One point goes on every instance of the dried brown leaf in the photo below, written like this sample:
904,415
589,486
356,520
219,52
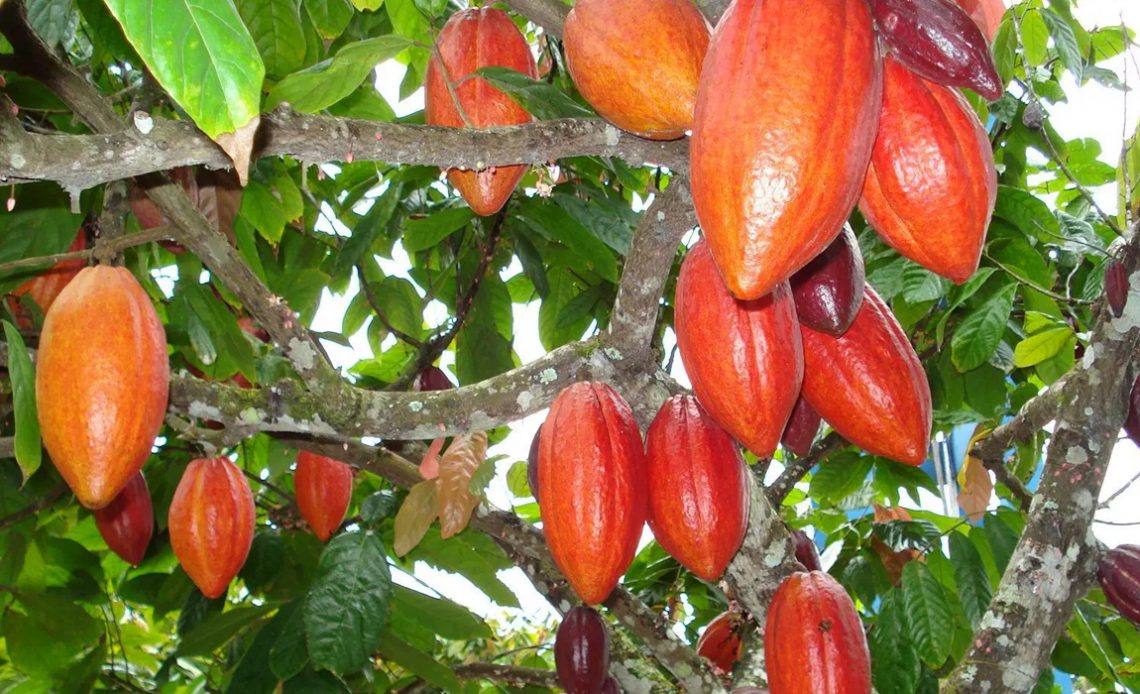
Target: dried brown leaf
459,463
219,197
415,517
239,146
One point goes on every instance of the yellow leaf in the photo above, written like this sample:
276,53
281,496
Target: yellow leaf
974,483
459,463
415,517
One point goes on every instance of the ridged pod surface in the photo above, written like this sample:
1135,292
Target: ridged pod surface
611,686
813,641
786,116
44,288
932,185
698,487
582,651
592,487
1132,420
1116,286
532,464
324,488
806,551
829,290
432,378
743,358
127,523
987,14
474,39
211,523
720,642
101,382
638,61
869,384
1119,576
802,426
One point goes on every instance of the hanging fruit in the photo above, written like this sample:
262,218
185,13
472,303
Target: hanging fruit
324,488
582,651
211,523
44,288
1119,576
637,62
593,487
806,551
698,487
801,428
127,523
532,464
720,643
829,290
987,14
1132,420
101,382
473,39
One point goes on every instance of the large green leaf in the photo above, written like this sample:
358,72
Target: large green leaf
346,608
424,233
928,613
368,228
53,20
839,476
275,26
423,664
39,224
49,635
331,17
1066,42
553,223
970,577
324,84
979,333
555,327
27,443
446,618
218,630
542,100
1041,346
895,666
482,347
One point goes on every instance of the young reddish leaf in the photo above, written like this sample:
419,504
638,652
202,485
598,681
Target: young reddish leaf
459,463
429,466
415,517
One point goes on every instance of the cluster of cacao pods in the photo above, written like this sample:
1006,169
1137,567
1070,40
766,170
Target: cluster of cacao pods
582,653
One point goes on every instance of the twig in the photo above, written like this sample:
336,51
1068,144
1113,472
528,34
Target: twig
115,245
374,302
35,507
798,467
1118,492
512,675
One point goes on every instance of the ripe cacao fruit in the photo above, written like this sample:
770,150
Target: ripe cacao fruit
698,487
806,551
638,61
937,40
211,523
987,14
1119,576
43,289
101,382
869,384
813,641
1116,286
473,39
582,651
592,486
829,290
744,358
127,523
720,643
776,168
324,488
432,378
932,185
532,464
611,686
801,428
1132,421
749,690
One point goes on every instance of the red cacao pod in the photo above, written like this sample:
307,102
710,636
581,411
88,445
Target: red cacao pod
720,643
744,358
806,551
749,690
829,290
937,40
987,14
101,382
611,686
211,523
1119,576
592,487
813,641
869,384
776,169
324,488
433,378
698,487
43,289
801,428
638,61
1116,286
932,185
1132,421
582,651
127,523
473,39
532,464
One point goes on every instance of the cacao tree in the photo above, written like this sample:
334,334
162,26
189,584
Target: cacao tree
321,303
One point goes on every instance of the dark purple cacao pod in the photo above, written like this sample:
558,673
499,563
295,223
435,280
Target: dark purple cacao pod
582,651
1119,575
806,552
433,378
532,464
828,291
801,428
1132,421
611,686
939,41
1116,286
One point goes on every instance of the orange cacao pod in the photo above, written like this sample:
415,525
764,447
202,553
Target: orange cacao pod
698,487
43,289
638,61
1119,574
592,487
743,358
324,488
720,643
474,39
869,384
127,523
211,523
101,382
814,641
782,134
932,185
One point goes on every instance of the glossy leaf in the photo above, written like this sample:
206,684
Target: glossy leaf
29,455
928,614
980,331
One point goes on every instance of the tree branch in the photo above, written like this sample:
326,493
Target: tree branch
797,468
548,14
512,675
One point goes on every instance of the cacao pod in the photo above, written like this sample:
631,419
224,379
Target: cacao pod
806,551
1132,421
432,378
775,168
1119,574
749,690
101,382
638,61
987,14
937,40
720,643
698,487
1116,286
473,39
127,523
829,290
211,523
43,289
532,464
744,358
611,686
868,384
592,486
801,428
813,641
932,185
324,488
582,651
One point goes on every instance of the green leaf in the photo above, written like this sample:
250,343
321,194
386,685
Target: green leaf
217,630
402,305
50,635
367,4
1066,42
555,327
483,475
331,17
920,284
895,665
40,224
517,481
543,101
1035,38
290,653
928,612
309,681
839,476
1027,212
472,555
979,333
275,26
346,609
603,220
53,20
1040,346
447,619
23,376
320,86
367,229
483,349
266,557
970,576
421,234
418,662
253,674
555,224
